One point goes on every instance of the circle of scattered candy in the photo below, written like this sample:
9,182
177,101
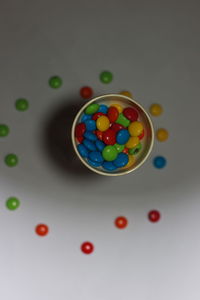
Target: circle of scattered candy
162,135
42,229
55,82
12,203
11,160
156,109
4,130
121,222
106,76
108,137
154,216
159,162
87,247
21,104
86,92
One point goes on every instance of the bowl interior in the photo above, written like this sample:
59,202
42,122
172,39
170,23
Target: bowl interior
147,141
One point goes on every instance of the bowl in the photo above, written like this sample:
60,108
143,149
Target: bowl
147,141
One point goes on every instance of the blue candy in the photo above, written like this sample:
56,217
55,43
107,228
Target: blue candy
82,150
96,156
121,160
85,117
100,145
90,136
122,136
159,162
109,166
89,145
103,108
90,125
94,163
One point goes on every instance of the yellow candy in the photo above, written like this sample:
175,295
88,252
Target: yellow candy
126,93
162,135
118,107
103,123
132,142
135,128
156,109
131,161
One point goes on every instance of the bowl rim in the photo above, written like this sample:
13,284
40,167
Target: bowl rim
81,110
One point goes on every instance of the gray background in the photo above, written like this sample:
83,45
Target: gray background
152,48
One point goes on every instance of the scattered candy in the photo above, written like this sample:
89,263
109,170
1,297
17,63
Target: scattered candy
4,130
106,77
21,104
55,82
42,229
11,160
135,128
86,92
154,216
162,135
87,247
156,109
126,93
12,203
121,222
159,162
91,109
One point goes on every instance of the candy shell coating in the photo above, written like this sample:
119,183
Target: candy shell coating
91,109
162,135
89,145
141,135
132,142
156,109
94,164
109,153
82,150
121,160
109,166
131,161
100,145
103,123
118,107
99,134
123,120
80,129
85,117
126,93
103,108
119,147
97,115
159,162
109,137
112,114
135,150
86,92
135,128
131,114
90,136
96,156
122,136
90,125
106,77
116,127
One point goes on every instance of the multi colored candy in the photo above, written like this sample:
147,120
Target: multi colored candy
109,137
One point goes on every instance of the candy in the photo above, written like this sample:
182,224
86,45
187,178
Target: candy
4,130
109,137
116,127
82,150
126,93
118,107
96,156
162,135
135,150
87,247
113,114
42,229
125,150
121,222
90,136
85,117
159,162
131,114
131,161
122,120
89,145
80,129
156,109
12,203
99,134
121,160
103,123
119,147
122,136
154,216
106,77
21,104
109,153
90,125
109,166
94,164
86,92
11,160
141,135
91,109
132,142
97,115
103,108
55,82
100,145
135,128
80,139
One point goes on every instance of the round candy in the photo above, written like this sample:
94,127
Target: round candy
94,164
96,156
100,145
90,136
97,115
132,142
141,135
121,160
113,114
159,162
156,109
106,77
109,166
87,248
103,108
80,139
55,82
125,150
80,129
126,93
89,145
99,134
116,127
154,216
162,135
135,128
103,123
135,150
12,203
85,117
118,107
121,222
122,136
82,150
131,114
122,120
90,125
4,130
21,104
41,229
86,92
11,160
119,147
109,153
109,137
91,109
131,161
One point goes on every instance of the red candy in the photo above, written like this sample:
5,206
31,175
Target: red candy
80,129
87,248
99,134
113,114
141,135
154,216
109,137
86,92
41,229
121,222
131,114
80,139
116,127
97,115
125,150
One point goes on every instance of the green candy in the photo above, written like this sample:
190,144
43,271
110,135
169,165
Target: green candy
11,160
122,120
91,109
4,130
135,150
21,104
55,82
119,147
106,77
109,153
12,203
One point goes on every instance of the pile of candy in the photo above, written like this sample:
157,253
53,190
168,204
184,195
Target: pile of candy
109,137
